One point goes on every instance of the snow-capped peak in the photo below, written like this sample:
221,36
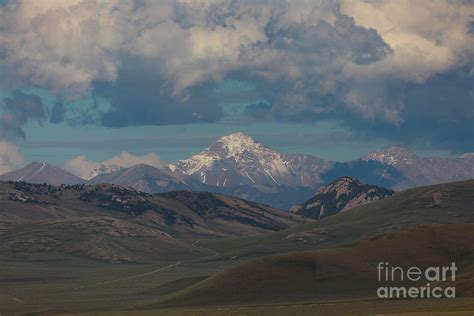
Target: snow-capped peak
238,137
392,155
235,159
234,145
102,169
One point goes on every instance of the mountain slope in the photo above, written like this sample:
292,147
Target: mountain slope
42,172
339,196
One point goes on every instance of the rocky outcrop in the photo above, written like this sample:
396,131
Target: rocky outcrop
339,196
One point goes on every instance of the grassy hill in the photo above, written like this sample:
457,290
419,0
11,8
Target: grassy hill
336,273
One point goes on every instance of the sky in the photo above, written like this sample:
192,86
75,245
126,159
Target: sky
85,81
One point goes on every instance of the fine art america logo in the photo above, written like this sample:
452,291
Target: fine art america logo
390,275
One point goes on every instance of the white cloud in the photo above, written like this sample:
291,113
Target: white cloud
82,166
62,45
427,37
10,157
125,159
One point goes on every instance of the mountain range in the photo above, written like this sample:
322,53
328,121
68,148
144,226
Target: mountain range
238,165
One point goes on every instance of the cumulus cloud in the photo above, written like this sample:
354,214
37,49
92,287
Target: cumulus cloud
427,37
82,166
10,157
61,45
157,62
125,159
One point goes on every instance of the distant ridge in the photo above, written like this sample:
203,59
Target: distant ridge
419,171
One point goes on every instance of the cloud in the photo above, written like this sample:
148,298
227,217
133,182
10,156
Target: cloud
57,113
10,157
437,113
61,45
428,38
134,99
368,64
303,65
17,110
125,159
82,166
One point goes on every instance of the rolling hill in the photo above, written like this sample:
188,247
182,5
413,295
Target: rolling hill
116,224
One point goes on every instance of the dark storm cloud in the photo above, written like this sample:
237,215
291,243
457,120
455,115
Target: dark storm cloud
437,113
471,25
17,110
261,110
307,72
341,40
137,98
